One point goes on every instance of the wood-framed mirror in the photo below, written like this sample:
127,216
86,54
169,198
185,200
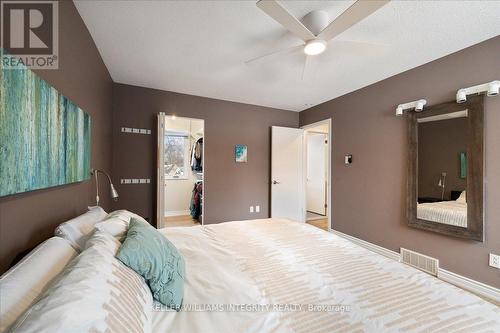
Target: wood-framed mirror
445,169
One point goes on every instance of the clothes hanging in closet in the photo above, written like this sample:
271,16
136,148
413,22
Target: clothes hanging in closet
196,200
197,155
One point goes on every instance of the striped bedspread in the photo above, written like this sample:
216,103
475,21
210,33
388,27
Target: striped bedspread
447,212
303,279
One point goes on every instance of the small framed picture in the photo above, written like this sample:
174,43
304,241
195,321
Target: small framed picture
463,165
240,153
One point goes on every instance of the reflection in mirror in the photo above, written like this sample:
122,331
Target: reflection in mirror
442,168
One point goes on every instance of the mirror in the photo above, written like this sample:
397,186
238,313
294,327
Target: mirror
445,173
442,165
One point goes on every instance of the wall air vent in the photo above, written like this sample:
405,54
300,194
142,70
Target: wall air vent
427,264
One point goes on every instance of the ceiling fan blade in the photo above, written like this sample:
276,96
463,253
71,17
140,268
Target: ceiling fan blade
357,12
309,68
286,50
282,16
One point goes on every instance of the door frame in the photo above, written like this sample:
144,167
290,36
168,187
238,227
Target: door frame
327,122
160,168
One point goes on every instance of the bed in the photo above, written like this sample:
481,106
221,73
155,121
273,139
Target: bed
447,212
291,277
267,275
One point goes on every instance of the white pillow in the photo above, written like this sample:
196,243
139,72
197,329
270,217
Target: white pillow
114,226
462,198
125,215
95,293
116,223
77,230
22,284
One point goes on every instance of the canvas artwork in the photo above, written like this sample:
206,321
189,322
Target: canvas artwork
44,137
463,165
240,153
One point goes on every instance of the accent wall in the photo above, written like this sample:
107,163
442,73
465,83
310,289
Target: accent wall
369,196
27,219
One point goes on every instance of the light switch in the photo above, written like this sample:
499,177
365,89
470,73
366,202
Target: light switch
251,209
495,260
257,209
348,159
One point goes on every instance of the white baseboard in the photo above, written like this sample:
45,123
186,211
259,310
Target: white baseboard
370,246
177,213
473,286
476,287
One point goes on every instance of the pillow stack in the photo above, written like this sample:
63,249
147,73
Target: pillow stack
149,254
109,287
95,293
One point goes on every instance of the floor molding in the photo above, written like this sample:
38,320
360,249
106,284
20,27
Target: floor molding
476,287
473,286
370,246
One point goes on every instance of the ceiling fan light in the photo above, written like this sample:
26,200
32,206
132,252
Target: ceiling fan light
315,47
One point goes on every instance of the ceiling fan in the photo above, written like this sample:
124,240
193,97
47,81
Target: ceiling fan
315,29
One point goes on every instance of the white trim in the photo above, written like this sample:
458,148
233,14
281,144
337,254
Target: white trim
476,287
177,213
330,166
160,171
473,286
370,246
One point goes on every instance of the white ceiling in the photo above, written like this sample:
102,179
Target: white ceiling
199,47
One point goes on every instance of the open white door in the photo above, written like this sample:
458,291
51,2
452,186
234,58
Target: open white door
287,174
316,172
160,177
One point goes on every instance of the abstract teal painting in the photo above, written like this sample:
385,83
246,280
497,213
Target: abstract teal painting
44,137
240,153
463,165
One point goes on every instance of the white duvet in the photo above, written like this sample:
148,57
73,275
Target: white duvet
447,212
213,280
284,276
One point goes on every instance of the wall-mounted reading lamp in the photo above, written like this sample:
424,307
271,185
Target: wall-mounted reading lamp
415,105
442,184
113,192
491,89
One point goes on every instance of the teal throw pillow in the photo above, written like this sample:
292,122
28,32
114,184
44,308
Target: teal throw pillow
155,258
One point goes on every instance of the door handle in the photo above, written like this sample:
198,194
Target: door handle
275,182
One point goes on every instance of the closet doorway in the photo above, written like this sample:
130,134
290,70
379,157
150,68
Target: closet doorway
317,150
180,171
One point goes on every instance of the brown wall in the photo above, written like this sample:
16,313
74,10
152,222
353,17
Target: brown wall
439,146
369,195
29,218
230,188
